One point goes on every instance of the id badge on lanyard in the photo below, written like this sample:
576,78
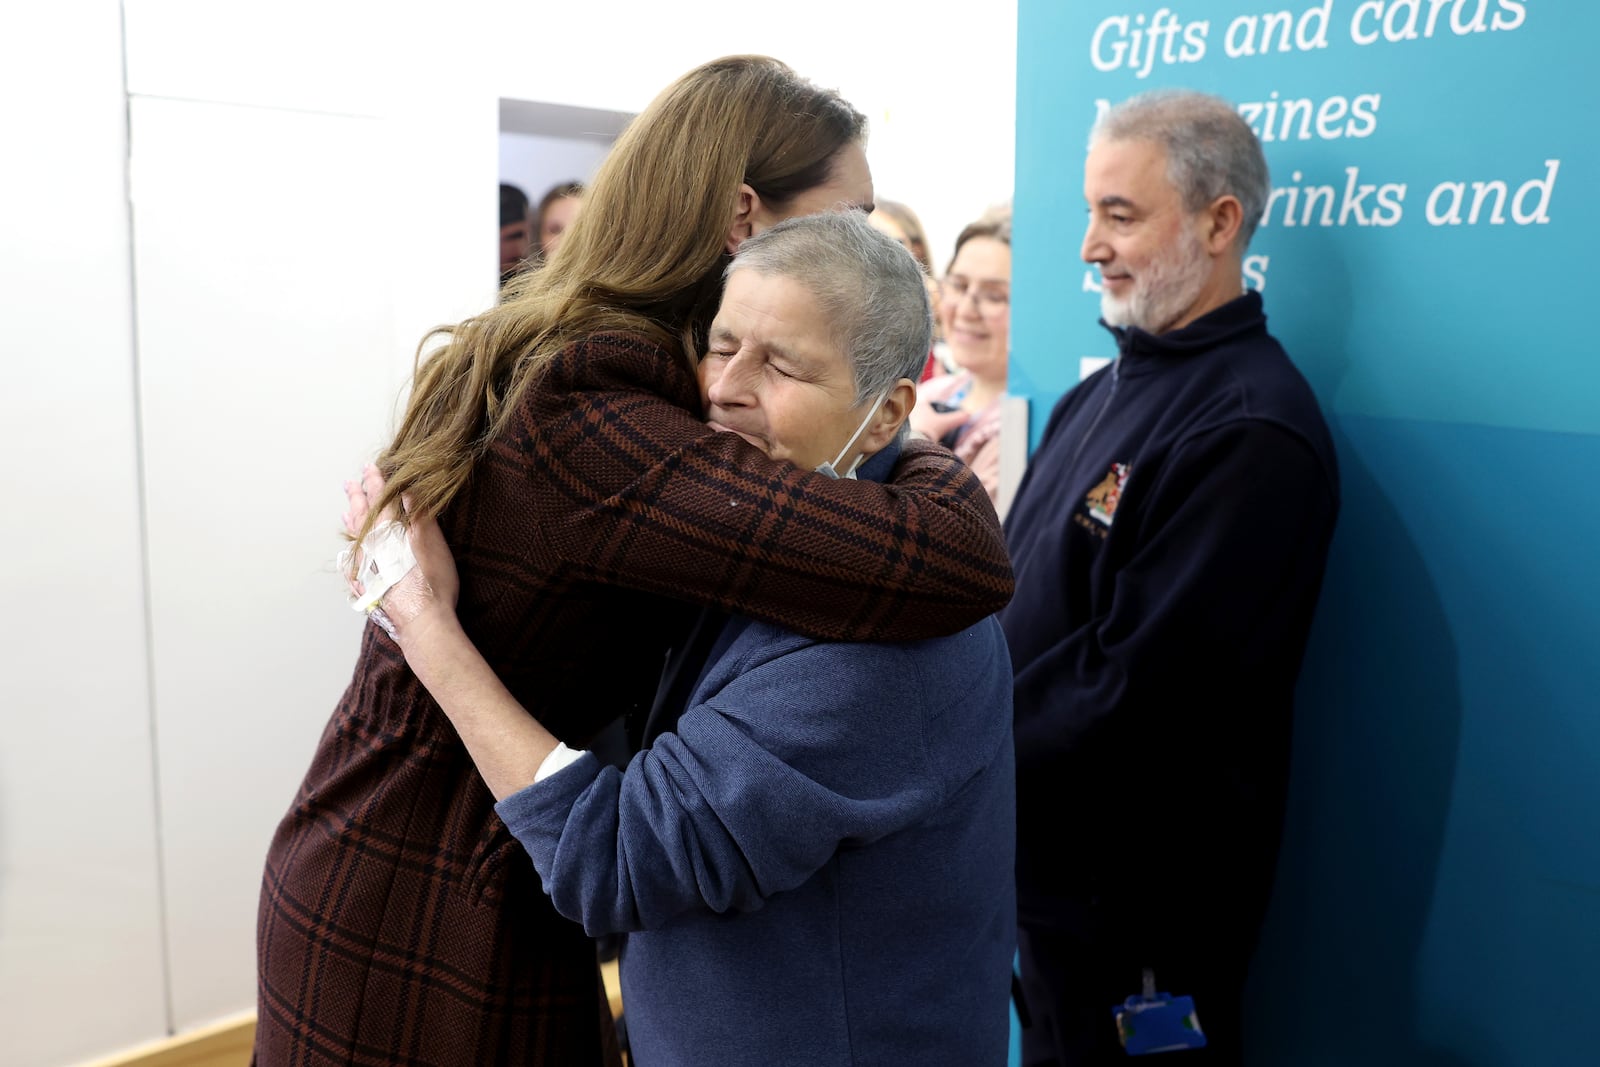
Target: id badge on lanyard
1154,1022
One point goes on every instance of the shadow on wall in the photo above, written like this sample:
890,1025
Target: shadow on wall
1376,731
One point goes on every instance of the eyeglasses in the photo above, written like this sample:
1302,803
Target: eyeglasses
991,296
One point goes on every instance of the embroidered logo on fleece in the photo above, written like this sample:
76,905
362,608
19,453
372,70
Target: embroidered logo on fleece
1103,499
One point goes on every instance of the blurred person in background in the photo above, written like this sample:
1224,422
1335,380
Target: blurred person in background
516,231
559,438
558,210
961,410
900,222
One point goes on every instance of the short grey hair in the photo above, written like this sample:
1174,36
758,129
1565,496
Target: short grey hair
871,290
1211,151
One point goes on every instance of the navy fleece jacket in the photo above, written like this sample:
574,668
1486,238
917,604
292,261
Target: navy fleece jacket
1169,539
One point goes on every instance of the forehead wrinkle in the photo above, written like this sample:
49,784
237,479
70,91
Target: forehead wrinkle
793,348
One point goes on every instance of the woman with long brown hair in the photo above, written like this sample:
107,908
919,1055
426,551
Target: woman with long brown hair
558,437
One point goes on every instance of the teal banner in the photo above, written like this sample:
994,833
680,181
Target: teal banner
1433,189
1427,260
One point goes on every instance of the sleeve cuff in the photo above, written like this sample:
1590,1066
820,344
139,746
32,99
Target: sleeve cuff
559,758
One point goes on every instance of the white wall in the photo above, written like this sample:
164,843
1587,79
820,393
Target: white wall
936,79
535,164
189,379
80,911
257,368
290,190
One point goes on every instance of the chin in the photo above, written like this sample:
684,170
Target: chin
981,367
759,443
971,359
1115,311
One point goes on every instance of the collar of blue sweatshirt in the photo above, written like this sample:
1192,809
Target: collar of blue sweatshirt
1140,351
875,469
683,675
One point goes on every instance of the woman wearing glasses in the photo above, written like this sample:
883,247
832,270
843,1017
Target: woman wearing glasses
962,410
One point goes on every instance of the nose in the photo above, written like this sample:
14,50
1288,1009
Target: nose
728,381
964,305
1095,249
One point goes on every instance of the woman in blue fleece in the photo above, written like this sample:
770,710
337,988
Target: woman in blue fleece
815,865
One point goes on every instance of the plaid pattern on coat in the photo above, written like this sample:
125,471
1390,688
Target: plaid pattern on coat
400,924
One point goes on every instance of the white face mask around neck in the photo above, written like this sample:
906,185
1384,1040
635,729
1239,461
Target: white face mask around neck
830,468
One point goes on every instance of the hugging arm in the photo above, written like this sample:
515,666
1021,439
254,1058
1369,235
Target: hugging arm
505,742
661,504
754,792
655,501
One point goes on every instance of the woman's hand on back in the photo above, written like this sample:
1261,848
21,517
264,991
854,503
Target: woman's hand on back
506,742
427,594
935,424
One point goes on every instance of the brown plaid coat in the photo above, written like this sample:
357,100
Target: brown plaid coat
399,922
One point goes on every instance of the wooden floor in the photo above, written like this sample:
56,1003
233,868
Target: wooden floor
608,971
227,1043
222,1044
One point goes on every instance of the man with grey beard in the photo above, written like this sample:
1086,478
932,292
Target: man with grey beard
1169,539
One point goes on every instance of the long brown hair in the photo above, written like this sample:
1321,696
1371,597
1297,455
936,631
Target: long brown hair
645,257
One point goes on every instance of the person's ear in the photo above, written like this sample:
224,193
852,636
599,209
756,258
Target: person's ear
746,210
894,410
1220,225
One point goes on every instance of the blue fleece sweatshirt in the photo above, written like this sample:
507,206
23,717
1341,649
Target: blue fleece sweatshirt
1169,540
815,867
